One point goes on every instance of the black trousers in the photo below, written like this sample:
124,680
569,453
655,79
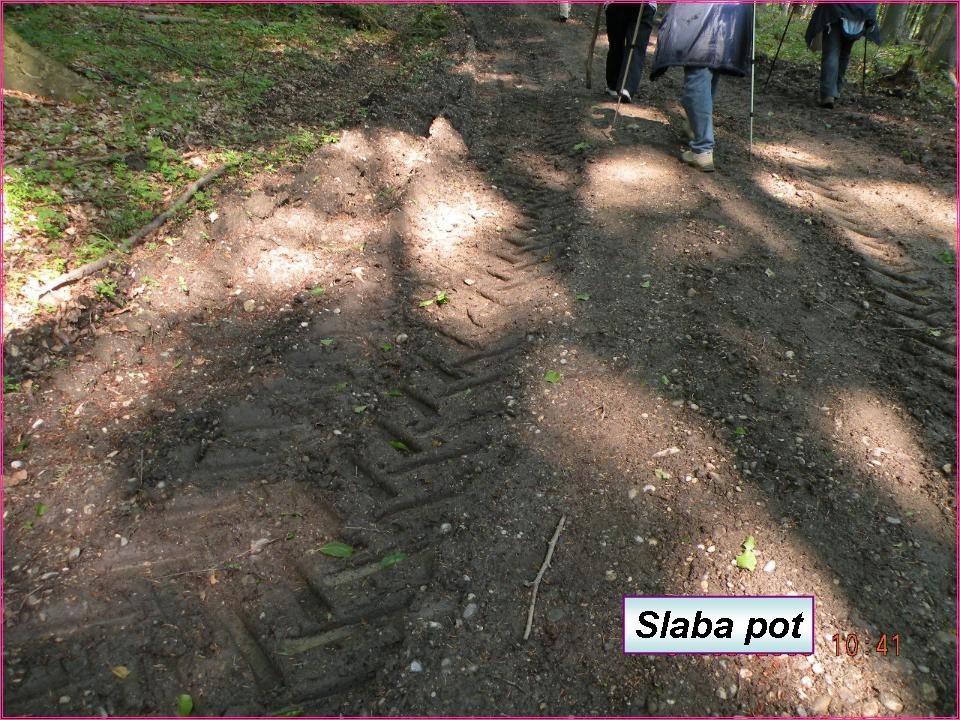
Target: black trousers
621,21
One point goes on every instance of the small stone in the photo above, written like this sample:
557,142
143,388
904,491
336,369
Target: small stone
893,520
692,292
64,699
632,493
928,692
74,554
745,673
16,464
871,708
649,488
806,681
817,668
249,305
610,575
415,666
789,354
468,281
123,542
770,566
401,338
722,693
866,305
891,702
820,705
947,469
470,610
445,528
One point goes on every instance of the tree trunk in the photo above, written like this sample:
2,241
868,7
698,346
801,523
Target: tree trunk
894,17
943,48
28,70
931,21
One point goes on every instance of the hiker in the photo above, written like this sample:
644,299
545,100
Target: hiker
837,27
708,40
622,21
564,12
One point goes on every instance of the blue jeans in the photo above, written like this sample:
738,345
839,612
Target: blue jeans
699,87
834,59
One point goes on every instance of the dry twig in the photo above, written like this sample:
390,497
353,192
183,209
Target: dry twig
543,569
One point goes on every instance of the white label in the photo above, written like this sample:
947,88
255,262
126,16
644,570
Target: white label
718,624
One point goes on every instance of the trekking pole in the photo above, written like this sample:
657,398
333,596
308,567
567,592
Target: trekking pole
626,69
863,79
777,54
593,45
753,65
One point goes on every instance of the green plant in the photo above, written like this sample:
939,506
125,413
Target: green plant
106,289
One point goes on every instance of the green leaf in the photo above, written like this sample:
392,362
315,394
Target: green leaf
41,509
740,431
551,376
948,257
425,303
184,705
393,558
177,363
182,284
662,474
358,409
935,332
581,146
386,346
442,298
337,550
583,296
645,284
747,560
327,342
664,379
395,393
399,445
318,291
749,543
808,221
28,524
340,387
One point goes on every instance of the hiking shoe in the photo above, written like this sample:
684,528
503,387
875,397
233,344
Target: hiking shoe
625,94
827,102
611,93
702,161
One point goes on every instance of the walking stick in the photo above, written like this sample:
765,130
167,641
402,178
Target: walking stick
753,65
626,68
777,54
593,45
863,79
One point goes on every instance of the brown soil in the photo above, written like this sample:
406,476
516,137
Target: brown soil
785,324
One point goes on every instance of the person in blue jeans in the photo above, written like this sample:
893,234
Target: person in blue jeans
707,40
839,26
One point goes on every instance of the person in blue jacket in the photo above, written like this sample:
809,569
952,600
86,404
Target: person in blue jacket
707,40
622,19
840,25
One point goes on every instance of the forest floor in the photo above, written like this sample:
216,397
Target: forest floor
314,464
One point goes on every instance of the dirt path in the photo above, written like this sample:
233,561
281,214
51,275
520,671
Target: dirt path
785,325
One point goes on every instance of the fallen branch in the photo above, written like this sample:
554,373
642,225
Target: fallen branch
543,569
138,237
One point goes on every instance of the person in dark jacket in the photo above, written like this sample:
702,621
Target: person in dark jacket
707,40
840,25
622,19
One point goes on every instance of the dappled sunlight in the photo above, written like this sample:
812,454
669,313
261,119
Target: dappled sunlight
792,154
622,179
917,210
878,440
